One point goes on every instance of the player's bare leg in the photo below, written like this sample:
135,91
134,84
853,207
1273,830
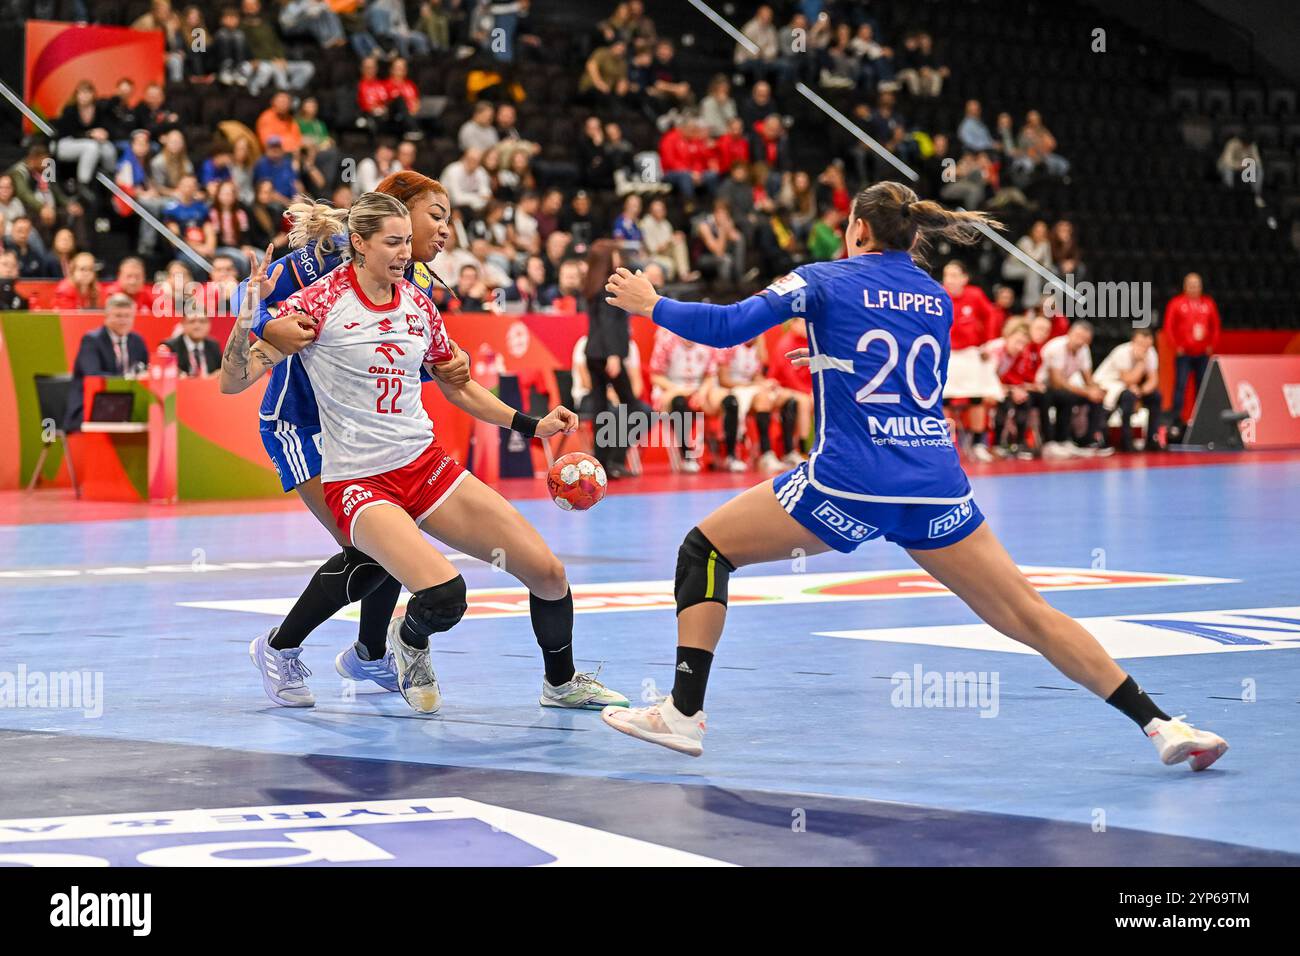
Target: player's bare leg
980,571
477,520
751,528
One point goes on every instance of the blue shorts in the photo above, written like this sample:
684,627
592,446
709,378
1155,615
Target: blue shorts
294,451
844,523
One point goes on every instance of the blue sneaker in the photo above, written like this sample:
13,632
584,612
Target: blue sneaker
284,676
382,672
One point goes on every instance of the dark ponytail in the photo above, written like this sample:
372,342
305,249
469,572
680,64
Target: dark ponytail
899,220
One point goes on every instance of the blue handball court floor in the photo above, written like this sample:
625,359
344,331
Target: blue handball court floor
858,714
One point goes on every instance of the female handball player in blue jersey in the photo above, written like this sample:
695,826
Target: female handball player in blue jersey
882,465
474,519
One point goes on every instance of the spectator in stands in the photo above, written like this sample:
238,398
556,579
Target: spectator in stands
565,293
197,61
10,300
668,89
875,61
973,134
509,139
161,18
198,355
223,283
718,109
278,120
1239,157
826,239
375,167
627,230
266,217
231,227
277,167
216,169
841,68
770,145
386,21
311,127
758,105
175,294
63,249
733,146
154,114
113,350
11,207
268,62
737,193
604,83
314,19
32,262
799,200
130,282
578,223
171,165
1038,148
479,131
517,178
403,100
435,24
548,213
1037,246
468,184
186,215
687,159
921,73
1192,319
230,50
594,169
1130,376
242,161
724,245
83,137
802,48
664,244
120,116
1067,374
37,189
374,96
471,293
81,289
1065,249
760,58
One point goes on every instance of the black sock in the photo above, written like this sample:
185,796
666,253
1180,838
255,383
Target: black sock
316,605
764,422
692,676
789,417
730,423
553,628
376,611
1134,702
418,641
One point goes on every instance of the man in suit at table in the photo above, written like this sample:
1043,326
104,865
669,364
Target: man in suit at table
113,350
196,354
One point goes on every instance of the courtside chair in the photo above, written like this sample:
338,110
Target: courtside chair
52,393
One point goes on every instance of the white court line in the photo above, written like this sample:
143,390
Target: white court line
867,140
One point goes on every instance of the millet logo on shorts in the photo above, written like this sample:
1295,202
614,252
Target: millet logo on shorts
842,524
353,495
951,520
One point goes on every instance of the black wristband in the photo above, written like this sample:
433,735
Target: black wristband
526,425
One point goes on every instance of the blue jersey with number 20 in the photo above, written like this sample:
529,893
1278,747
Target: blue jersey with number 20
878,334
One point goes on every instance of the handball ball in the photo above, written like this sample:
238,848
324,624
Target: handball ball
576,481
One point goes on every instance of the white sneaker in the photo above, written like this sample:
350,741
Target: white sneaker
1055,450
769,463
661,724
691,466
794,459
736,465
981,453
415,677
583,692
1177,741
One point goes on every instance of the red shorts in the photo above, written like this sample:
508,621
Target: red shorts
418,488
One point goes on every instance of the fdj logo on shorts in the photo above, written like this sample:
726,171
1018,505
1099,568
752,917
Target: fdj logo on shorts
842,524
951,520
353,495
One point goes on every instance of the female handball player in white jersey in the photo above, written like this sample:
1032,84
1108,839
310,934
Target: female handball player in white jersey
385,476
883,465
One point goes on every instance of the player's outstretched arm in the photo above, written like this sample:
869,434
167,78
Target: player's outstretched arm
721,326
477,401
244,361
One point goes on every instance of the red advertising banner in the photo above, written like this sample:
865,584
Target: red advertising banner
61,55
1267,389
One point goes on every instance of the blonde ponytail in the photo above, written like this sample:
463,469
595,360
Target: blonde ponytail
317,221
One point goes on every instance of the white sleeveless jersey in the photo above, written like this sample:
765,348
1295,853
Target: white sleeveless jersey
743,362
365,369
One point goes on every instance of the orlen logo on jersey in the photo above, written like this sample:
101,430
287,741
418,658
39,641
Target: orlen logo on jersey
951,520
842,524
905,425
353,495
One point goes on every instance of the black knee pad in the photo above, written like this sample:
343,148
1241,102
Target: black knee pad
351,575
438,608
702,572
